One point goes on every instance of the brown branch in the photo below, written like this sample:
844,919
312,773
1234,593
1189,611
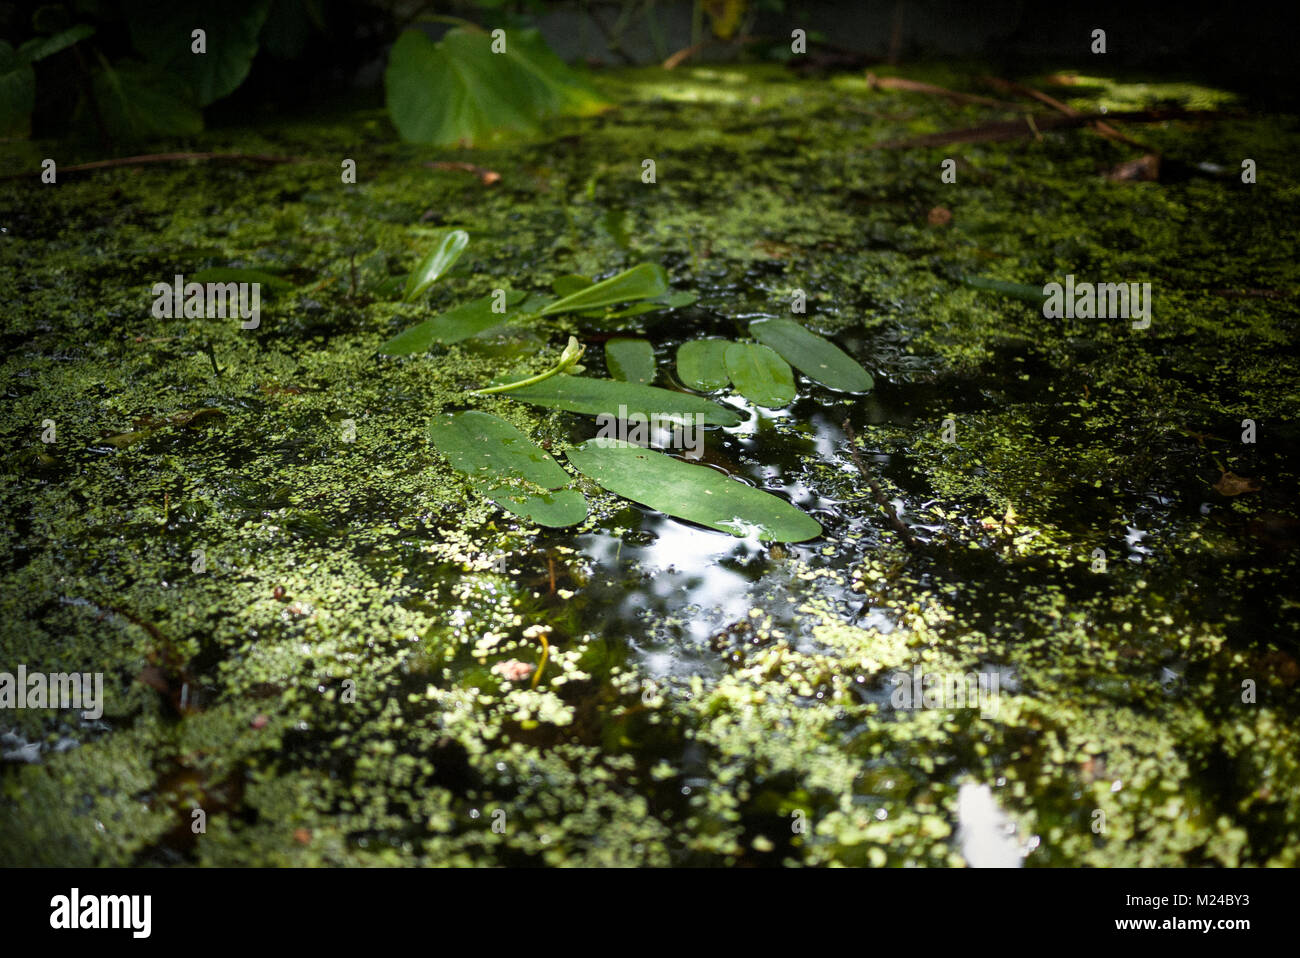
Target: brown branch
1105,129
1015,129
681,56
486,177
898,525
167,158
915,86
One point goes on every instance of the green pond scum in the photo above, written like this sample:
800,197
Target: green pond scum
321,645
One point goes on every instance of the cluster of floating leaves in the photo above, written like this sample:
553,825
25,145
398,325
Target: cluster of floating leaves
505,466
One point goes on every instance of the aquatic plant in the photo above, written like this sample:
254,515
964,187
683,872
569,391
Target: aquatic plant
505,466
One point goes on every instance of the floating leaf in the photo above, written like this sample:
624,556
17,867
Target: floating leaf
604,397
450,327
676,300
1032,294
702,365
695,493
505,466
631,360
640,282
458,92
670,301
761,376
815,357
438,261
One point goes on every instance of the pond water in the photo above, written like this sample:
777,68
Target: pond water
307,629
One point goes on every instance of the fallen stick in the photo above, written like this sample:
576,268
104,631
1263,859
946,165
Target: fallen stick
898,525
915,86
165,158
1105,129
1015,129
486,177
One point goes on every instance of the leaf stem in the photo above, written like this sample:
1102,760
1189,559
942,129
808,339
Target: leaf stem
572,353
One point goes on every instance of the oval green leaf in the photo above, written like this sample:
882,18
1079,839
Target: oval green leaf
640,282
761,376
630,360
694,493
608,397
440,259
702,365
505,466
450,327
815,357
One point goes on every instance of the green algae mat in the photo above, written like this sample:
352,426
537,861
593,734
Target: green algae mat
945,499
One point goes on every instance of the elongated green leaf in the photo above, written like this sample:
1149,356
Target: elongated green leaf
1032,294
670,301
761,376
504,465
234,274
640,282
815,357
631,360
604,397
458,92
695,493
678,299
162,31
570,283
702,365
451,327
439,259
38,48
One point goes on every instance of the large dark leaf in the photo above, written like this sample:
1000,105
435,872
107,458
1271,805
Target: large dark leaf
458,92
17,92
138,101
161,30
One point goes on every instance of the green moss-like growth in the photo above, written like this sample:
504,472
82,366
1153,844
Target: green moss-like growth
349,681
